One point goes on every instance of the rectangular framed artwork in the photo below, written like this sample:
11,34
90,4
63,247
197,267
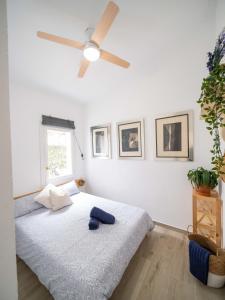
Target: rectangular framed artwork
130,139
101,141
174,136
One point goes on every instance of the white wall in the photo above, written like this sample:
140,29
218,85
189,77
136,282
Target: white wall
220,18
167,82
168,58
27,104
8,280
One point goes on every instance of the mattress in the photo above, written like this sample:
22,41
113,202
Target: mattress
72,261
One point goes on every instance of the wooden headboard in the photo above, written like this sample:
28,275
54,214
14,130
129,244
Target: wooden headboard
79,182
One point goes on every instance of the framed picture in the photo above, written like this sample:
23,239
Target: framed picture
100,140
131,139
174,136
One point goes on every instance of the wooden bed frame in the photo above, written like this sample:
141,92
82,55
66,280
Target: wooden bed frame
79,182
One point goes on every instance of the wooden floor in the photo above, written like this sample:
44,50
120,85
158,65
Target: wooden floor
158,271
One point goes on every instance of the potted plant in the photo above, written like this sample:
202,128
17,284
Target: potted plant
202,180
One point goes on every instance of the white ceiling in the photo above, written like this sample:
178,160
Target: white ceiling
139,35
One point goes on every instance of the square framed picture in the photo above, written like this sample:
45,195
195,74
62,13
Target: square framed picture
101,141
174,136
130,139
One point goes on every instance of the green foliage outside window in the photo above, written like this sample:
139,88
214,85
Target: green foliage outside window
56,160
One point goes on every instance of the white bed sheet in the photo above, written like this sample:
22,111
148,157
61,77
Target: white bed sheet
72,261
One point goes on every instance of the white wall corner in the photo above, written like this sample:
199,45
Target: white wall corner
8,279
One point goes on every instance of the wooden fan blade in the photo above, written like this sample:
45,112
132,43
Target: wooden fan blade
83,67
114,59
105,22
60,40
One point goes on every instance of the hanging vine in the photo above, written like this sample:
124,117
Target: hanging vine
212,101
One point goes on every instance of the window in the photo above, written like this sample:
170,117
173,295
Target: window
59,153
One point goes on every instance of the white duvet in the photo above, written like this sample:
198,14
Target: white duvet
72,261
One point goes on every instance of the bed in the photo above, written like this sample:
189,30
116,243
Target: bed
72,261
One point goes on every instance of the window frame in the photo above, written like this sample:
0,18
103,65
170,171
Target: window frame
44,156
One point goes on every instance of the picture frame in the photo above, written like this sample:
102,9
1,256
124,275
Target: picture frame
130,139
174,136
101,141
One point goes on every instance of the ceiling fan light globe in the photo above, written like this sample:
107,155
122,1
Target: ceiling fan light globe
91,53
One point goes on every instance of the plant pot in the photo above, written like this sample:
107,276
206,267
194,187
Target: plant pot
203,190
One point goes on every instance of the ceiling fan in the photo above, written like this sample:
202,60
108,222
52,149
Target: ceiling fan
91,49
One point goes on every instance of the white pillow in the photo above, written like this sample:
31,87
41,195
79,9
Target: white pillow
59,199
70,188
44,197
26,205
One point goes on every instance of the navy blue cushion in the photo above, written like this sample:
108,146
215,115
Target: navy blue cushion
102,216
199,261
93,224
